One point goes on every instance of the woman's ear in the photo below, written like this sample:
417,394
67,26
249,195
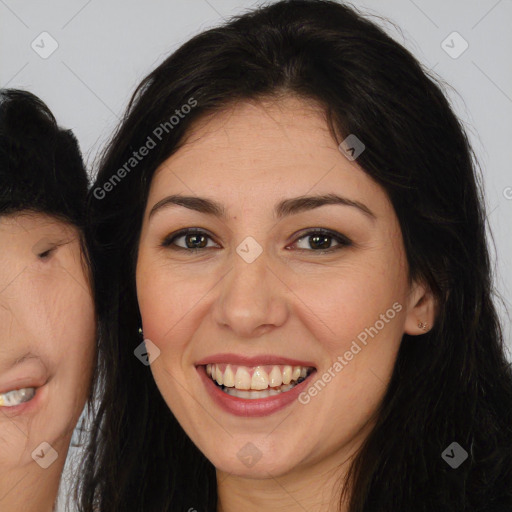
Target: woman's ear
421,308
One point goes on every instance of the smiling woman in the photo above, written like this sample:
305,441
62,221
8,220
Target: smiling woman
46,309
311,279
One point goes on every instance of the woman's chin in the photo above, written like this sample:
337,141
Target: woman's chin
249,461
259,471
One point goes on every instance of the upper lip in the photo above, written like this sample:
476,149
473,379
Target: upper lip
31,373
22,383
259,360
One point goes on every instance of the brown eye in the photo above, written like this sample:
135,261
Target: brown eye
321,240
192,240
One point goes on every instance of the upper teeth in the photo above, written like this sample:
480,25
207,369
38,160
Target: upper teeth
16,397
255,377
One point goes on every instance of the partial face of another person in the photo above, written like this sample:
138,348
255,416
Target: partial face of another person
47,336
296,306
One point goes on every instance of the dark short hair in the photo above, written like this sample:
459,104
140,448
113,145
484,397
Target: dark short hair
41,167
454,385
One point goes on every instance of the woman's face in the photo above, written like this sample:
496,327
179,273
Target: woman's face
46,340
267,296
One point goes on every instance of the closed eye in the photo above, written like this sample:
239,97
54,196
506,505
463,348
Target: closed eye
45,247
46,254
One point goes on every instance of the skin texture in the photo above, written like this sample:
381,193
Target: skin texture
47,337
292,301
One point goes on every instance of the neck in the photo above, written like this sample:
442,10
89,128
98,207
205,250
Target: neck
315,489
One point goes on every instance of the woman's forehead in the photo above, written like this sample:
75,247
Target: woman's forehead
272,151
271,119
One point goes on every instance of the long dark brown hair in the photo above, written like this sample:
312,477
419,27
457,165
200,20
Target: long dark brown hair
454,386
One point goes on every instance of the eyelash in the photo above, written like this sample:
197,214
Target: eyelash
46,254
49,252
342,240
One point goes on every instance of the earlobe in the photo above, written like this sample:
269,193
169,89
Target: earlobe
421,310
423,325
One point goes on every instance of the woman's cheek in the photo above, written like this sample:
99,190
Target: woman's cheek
166,304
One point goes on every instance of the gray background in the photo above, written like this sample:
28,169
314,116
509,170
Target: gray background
106,47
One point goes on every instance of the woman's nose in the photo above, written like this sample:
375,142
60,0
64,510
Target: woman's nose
252,297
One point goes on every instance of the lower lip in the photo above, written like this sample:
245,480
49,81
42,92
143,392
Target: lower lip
251,407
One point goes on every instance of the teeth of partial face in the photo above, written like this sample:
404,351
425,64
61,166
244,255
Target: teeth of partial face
274,378
16,397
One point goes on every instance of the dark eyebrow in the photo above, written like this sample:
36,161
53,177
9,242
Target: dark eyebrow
197,204
299,204
283,208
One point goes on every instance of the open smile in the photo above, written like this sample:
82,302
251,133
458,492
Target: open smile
259,381
247,389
